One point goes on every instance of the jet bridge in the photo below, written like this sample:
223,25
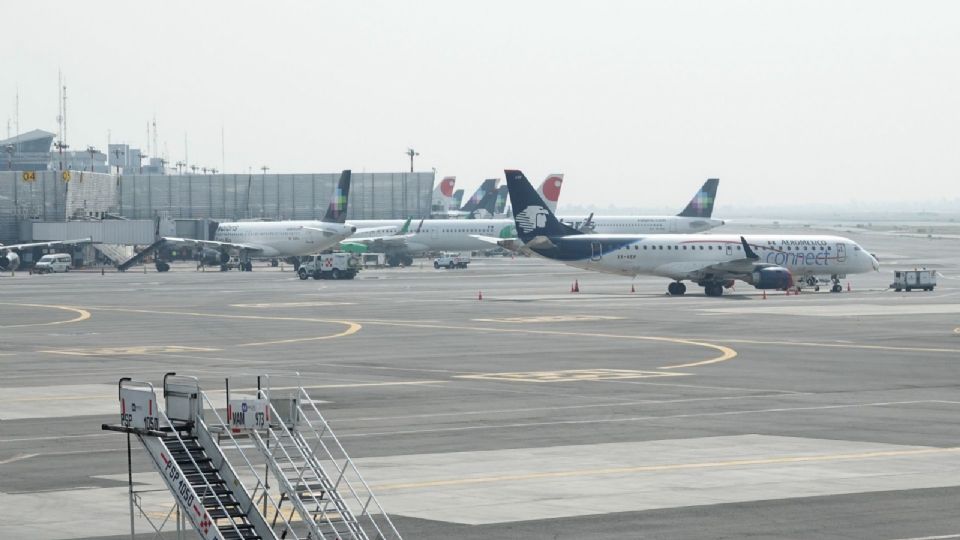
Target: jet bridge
270,468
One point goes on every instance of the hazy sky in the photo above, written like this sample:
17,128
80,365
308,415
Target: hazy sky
636,102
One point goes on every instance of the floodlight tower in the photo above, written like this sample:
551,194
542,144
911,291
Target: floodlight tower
411,152
92,151
116,154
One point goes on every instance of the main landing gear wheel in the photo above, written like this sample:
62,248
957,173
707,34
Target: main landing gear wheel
162,266
836,288
676,288
713,289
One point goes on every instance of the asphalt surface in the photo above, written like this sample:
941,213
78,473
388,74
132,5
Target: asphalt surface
532,413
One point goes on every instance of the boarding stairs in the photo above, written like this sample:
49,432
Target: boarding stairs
115,253
316,477
271,469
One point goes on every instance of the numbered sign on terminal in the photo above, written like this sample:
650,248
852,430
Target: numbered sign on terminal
248,413
138,409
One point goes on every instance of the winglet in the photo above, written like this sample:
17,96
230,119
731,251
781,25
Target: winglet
747,250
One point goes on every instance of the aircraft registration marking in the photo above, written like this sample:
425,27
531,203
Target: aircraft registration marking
571,375
552,318
140,349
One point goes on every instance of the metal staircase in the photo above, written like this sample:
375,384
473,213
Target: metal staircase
287,475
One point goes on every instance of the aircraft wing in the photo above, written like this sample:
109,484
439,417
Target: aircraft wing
326,232
392,239
735,268
211,244
16,247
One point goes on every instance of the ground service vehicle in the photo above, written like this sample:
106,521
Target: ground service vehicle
53,262
914,279
329,266
376,260
451,261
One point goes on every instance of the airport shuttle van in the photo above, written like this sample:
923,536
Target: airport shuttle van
54,262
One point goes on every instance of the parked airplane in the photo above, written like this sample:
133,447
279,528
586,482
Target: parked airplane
10,258
268,239
476,205
383,236
549,190
712,261
696,217
442,201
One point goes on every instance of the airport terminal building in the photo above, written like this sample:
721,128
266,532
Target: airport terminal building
35,204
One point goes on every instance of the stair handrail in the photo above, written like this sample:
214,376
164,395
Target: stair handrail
205,400
287,432
349,461
173,429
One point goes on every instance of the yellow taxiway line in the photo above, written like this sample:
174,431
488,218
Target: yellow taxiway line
82,315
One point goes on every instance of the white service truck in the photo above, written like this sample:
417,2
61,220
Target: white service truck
451,261
329,266
914,279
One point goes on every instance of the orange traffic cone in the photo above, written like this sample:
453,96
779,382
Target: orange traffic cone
632,289
576,286
764,294
848,287
480,295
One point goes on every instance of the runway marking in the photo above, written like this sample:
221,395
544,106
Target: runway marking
18,457
671,467
726,352
82,315
352,328
551,318
843,346
525,425
571,375
941,537
139,349
293,304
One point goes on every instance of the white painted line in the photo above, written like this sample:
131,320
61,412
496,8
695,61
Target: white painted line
943,537
18,457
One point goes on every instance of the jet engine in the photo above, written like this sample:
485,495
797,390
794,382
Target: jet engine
9,261
774,277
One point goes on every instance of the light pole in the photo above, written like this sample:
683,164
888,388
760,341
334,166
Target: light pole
116,154
193,168
61,146
9,149
411,152
180,165
93,151
264,168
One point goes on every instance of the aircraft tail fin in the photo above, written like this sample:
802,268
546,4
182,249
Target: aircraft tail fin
443,193
701,205
337,211
530,213
487,186
501,205
457,199
549,190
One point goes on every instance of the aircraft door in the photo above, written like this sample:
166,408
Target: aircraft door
841,252
596,251
435,232
729,250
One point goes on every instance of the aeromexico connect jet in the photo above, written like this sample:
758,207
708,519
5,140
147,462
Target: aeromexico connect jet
712,261
267,239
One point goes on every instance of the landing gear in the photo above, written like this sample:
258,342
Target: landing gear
713,289
407,260
393,261
836,284
676,288
162,266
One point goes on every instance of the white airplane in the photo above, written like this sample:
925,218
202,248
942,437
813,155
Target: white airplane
386,236
10,259
696,217
268,239
712,261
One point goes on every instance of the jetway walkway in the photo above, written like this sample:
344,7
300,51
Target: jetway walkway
272,468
